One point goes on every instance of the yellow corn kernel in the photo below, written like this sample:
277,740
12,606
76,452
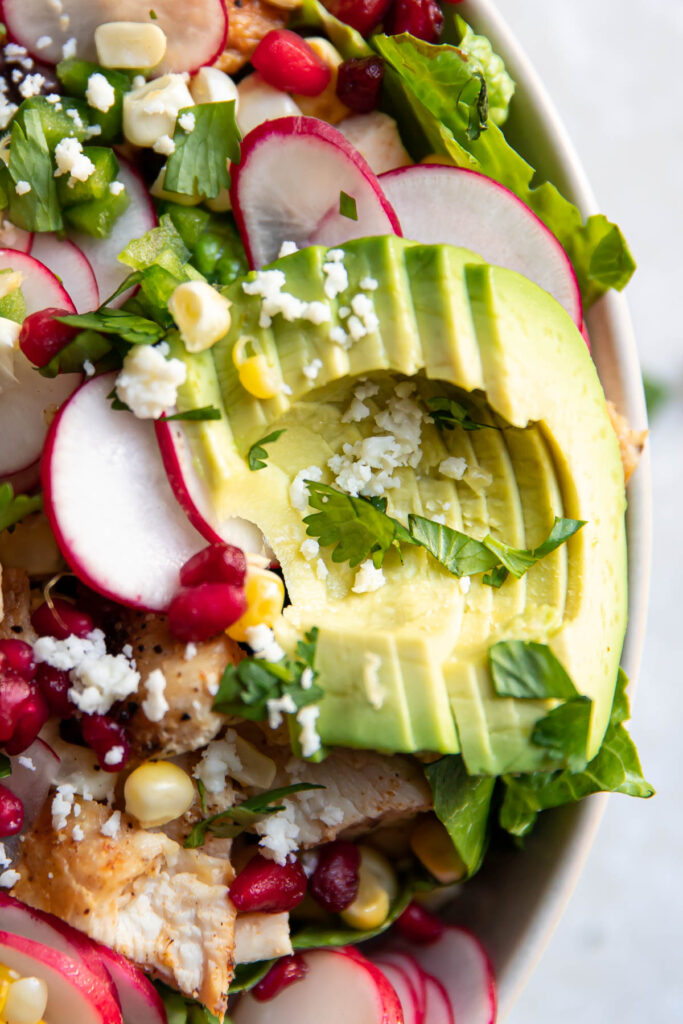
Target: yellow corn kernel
326,105
264,592
129,44
201,313
25,1002
259,378
158,792
377,890
432,845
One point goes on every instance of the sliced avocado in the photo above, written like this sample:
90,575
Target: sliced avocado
404,668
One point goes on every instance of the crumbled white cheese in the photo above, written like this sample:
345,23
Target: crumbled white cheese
187,121
321,570
478,479
439,518
164,145
99,679
336,276
112,826
114,755
9,878
64,22
139,81
358,410
368,284
312,370
280,834
298,491
7,111
268,286
191,651
5,861
88,368
54,98
339,336
219,760
22,188
62,805
69,48
310,548
71,160
148,382
43,42
453,467
368,578
100,93
276,706
308,737
31,86
465,584
155,704
116,187
287,249
374,691
307,677
26,762
262,641
14,52
78,835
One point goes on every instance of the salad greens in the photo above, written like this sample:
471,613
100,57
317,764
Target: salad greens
203,151
14,508
462,803
528,671
233,821
257,453
30,164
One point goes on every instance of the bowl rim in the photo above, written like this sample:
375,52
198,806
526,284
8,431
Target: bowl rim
616,357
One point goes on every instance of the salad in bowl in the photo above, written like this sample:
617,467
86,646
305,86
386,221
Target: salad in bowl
314,563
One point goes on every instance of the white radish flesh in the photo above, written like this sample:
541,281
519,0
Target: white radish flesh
40,287
458,960
110,504
438,1009
272,207
66,260
413,1013
409,966
460,207
74,994
12,237
196,32
140,1001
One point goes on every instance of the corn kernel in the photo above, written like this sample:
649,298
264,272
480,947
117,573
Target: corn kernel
158,792
377,890
25,1002
151,111
433,846
265,595
211,85
259,378
201,313
129,44
326,105
259,102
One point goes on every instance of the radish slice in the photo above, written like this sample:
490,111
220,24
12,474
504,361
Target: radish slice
109,502
40,287
12,237
272,207
102,253
193,496
140,1001
66,260
31,785
337,989
459,961
19,919
438,1010
196,32
461,207
413,1012
74,994
410,967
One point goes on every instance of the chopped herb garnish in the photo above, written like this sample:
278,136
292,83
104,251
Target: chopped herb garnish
518,561
528,670
449,414
13,507
199,164
30,161
88,346
5,766
460,554
233,821
258,454
206,412
347,206
131,328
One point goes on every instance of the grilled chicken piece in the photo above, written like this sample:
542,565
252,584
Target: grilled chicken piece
15,607
248,23
138,892
191,683
631,442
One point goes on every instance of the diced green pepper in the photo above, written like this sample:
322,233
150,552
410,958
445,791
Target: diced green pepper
68,118
75,74
190,221
97,185
96,217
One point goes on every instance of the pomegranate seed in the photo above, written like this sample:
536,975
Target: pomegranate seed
14,693
422,18
18,655
11,813
419,925
284,972
33,714
108,740
54,686
42,337
219,563
269,887
363,15
288,62
203,611
61,620
334,883
359,82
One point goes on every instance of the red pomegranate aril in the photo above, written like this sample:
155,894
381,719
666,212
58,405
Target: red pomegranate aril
334,883
363,15
108,740
54,686
198,613
271,888
18,656
11,813
42,336
288,62
419,925
33,714
219,563
422,18
283,973
14,693
359,83
60,620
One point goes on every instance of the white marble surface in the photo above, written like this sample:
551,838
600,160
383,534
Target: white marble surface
614,69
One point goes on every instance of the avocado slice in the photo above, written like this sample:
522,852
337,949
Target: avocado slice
404,668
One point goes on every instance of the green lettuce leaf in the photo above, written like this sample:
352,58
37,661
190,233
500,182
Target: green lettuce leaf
529,671
13,507
315,936
462,803
500,87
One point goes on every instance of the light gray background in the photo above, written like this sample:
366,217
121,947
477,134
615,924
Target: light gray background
615,71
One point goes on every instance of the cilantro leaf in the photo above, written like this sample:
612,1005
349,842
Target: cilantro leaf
357,527
518,561
347,206
448,414
205,412
15,507
258,454
199,164
529,671
132,328
496,578
462,803
87,345
233,821
563,732
460,554
30,161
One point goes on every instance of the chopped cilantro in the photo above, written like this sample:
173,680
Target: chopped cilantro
448,414
132,328
30,161
199,164
347,206
233,821
258,454
13,507
5,766
206,412
528,670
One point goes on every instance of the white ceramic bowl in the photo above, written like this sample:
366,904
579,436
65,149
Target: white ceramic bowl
516,901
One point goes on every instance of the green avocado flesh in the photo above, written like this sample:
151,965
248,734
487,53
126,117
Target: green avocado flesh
405,668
